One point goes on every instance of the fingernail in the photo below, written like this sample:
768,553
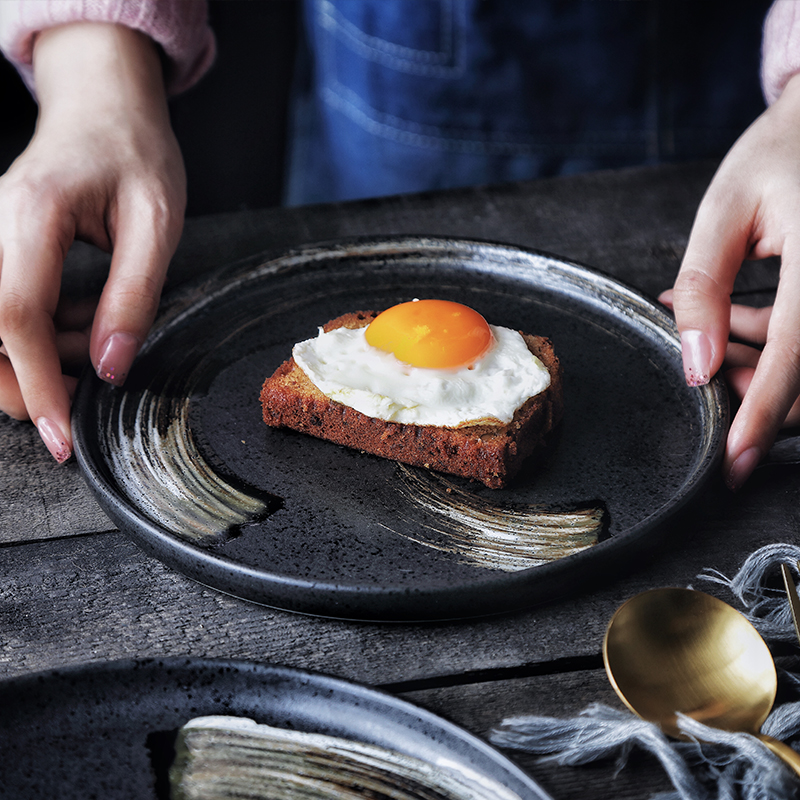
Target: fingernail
116,358
742,467
697,355
54,439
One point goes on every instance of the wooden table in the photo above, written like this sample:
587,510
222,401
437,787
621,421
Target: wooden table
73,589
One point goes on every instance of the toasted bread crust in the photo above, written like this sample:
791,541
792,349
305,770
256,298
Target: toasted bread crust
491,454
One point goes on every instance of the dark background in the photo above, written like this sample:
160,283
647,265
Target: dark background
231,125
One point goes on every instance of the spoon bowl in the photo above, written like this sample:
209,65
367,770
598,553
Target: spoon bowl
670,651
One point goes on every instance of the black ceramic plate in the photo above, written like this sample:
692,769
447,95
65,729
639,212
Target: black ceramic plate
106,730
181,460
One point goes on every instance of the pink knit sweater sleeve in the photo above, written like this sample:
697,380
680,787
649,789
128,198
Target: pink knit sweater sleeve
780,56
180,27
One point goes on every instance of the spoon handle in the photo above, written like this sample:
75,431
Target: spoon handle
794,600
789,757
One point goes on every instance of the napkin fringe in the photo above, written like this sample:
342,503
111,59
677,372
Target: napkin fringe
713,765
599,731
764,606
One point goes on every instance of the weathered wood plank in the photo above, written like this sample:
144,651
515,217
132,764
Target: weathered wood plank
99,597
633,224
481,707
630,223
40,499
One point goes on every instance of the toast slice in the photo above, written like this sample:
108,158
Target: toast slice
491,454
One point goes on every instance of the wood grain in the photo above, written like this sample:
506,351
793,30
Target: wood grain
481,707
73,589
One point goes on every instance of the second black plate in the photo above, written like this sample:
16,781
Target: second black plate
107,730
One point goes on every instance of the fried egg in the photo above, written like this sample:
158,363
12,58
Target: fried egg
425,362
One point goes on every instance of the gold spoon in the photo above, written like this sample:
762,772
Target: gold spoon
679,650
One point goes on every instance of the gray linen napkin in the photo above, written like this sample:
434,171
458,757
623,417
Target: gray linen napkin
714,765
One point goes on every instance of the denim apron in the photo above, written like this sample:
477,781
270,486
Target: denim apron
400,96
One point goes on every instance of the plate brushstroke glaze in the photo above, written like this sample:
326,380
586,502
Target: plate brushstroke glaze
231,758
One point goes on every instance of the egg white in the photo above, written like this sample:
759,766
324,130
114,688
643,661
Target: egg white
345,368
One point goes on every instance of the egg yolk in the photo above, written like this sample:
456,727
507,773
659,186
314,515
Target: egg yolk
437,334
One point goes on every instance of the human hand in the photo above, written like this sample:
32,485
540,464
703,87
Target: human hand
750,325
751,210
103,166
